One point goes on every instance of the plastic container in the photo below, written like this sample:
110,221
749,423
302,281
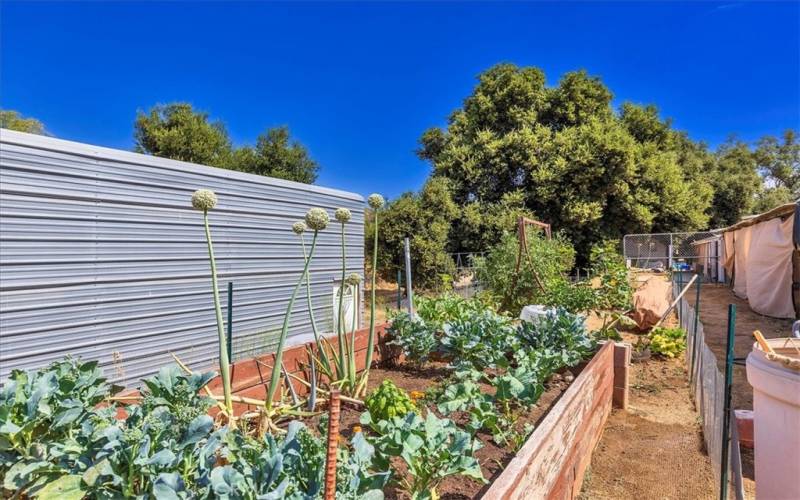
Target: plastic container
776,406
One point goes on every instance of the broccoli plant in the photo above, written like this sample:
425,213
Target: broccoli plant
413,336
559,333
482,339
431,448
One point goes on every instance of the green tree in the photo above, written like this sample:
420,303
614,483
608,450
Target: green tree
779,163
179,132
13,120
591,172
276,155
426,218
736,183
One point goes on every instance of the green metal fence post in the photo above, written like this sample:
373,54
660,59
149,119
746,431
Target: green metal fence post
230,320
696,320
399,289
723,464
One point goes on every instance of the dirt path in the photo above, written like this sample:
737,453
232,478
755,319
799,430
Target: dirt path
655,448
714,300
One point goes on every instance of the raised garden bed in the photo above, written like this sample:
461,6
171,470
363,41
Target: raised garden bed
567,420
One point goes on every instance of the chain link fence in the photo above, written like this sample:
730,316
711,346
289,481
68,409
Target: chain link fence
465,283
699,251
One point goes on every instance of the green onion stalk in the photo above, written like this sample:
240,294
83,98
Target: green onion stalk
205,200
375,201
316,219
343,216
353,281
299,228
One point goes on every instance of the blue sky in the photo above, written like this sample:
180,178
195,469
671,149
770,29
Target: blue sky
359,82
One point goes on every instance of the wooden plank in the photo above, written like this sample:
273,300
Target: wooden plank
553,459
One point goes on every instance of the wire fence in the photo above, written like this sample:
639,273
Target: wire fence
699,251
708,386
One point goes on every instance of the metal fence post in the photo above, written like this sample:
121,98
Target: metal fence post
399,289
723,464
409,292
680,303
230,320
696,320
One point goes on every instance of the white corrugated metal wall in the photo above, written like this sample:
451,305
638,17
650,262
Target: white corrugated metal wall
102,256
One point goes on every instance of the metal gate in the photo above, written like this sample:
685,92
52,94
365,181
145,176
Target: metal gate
699,251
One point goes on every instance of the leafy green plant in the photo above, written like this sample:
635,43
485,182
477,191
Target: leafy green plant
559,333
413,336
573,297
388,401
615,290
549,260
668,342
55,443
481,338
432,449
436,311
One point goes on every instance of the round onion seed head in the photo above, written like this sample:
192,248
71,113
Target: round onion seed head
204,199
342,215
299,227
353,279
317,219
375,201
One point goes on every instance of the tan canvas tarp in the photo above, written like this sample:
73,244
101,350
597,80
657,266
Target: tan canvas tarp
759,252
742,239
650,301
727,252
769,268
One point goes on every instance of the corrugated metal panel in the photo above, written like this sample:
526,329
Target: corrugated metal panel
102,256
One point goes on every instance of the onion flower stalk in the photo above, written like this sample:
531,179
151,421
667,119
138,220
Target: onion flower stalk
342,215
375,202
316,219
205,200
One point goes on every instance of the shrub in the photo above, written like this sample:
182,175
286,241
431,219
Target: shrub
550,258
667,342
615,291
437,311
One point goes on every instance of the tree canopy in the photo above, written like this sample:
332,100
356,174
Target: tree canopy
13,120
563,155
568,158
179,132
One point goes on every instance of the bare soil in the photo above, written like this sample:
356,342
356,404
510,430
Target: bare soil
714,300
655,448
492,457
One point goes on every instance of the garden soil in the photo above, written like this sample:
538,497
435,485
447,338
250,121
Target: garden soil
491,457
655,448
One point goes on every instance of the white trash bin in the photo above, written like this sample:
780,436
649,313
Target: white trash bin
776,411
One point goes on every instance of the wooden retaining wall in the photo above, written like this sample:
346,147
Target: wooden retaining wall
552,462
251,376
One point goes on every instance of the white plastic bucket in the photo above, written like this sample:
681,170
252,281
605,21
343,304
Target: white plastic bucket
776,411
